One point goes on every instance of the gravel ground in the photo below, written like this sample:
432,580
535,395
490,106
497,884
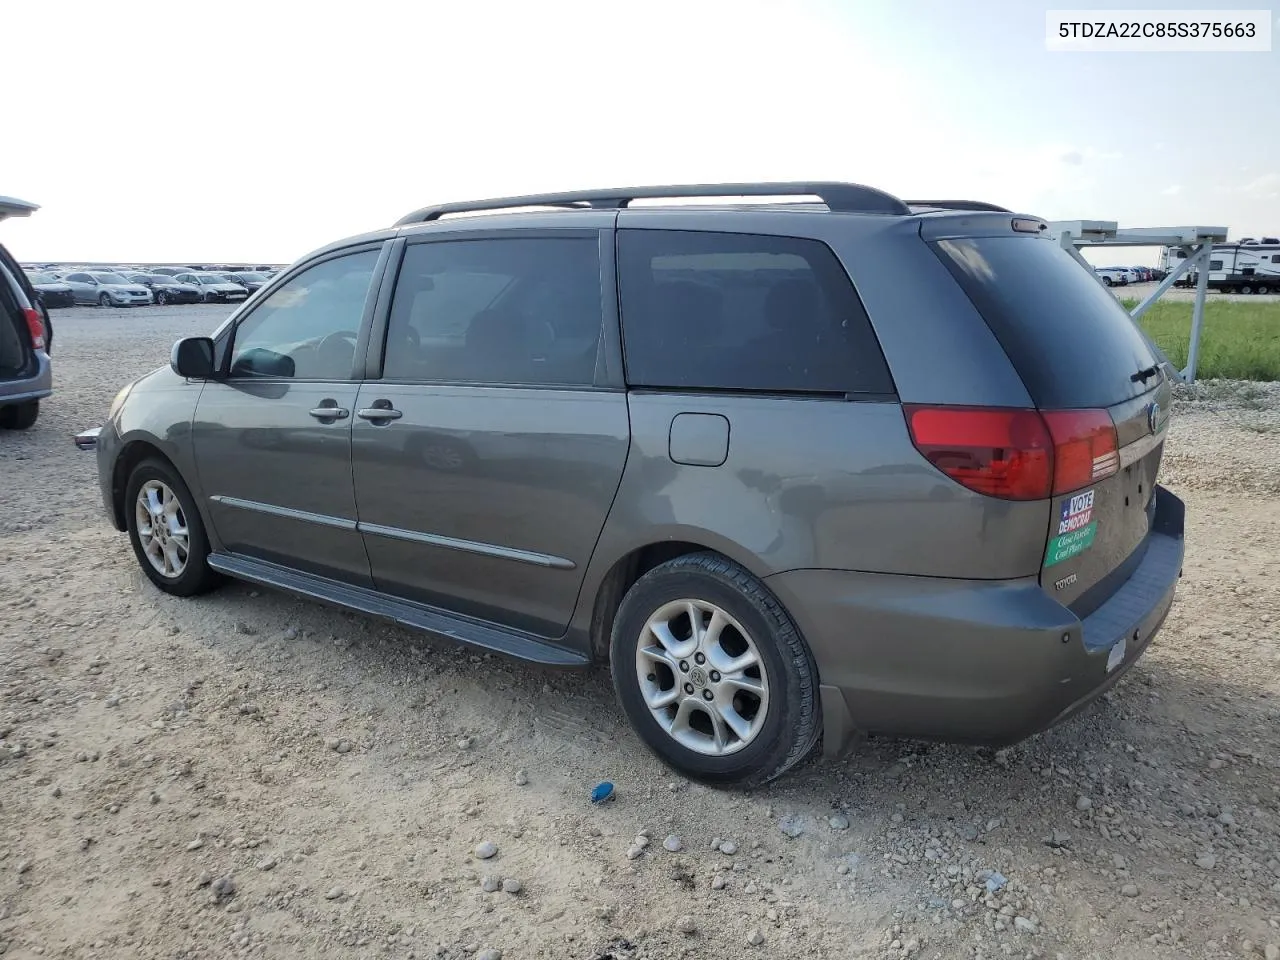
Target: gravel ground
252,775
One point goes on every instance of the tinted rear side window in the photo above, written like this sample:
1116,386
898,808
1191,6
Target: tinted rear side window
726,311
1071,342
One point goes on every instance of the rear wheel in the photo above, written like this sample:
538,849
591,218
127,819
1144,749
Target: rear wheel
1245,288
713,673
166,531
20,416
1263,289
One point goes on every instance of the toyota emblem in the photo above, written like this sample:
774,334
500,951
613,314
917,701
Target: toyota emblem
1153,416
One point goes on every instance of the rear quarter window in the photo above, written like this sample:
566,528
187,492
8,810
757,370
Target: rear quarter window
743,312
1069,339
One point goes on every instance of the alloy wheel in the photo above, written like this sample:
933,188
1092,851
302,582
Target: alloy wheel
162,529
702,677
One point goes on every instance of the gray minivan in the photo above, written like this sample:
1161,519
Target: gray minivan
26,375
795,470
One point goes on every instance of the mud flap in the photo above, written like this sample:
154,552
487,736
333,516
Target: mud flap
838,734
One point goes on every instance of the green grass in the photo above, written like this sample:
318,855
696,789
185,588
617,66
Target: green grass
1241,340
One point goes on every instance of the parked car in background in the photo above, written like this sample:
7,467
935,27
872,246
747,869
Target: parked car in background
51,291
1144,274
651,466
1112,276
214,288
169,271
252,282
165,289
26,374
107,289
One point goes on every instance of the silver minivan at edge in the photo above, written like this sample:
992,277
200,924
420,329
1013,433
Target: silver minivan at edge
26,375
825,464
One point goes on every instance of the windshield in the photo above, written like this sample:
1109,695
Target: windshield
109,278
252,277
209,278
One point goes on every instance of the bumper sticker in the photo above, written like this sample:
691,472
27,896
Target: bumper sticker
1077,512
1068,545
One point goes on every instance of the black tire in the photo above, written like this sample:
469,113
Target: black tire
162,298
1263,289
197,576
104,300
1246,289
1108,281
793,721
20,416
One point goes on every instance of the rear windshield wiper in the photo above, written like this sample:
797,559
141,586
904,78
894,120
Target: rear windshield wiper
1145,374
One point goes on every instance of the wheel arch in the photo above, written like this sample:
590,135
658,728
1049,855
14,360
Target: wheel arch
131,454
634,563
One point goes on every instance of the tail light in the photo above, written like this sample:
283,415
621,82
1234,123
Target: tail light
36,327
1016,454
1085,448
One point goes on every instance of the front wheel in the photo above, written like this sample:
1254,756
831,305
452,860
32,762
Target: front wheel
166,531
713,674
104,300
162,298
1107,281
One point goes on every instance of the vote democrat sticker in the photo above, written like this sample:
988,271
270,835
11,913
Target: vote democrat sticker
1076,529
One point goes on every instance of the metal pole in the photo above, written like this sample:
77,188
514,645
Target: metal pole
1072,249
1155,294
1197,312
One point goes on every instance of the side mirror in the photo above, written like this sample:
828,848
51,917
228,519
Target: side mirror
192,358
260,362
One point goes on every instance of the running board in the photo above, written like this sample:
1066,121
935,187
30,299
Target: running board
488,636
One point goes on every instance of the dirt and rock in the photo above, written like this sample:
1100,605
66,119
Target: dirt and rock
252,775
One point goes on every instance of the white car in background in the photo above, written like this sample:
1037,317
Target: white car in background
1115,276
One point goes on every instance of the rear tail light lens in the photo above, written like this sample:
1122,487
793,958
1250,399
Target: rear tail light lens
36,327
1016,454
1085,448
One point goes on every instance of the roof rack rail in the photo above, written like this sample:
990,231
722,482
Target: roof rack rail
976,205
839,197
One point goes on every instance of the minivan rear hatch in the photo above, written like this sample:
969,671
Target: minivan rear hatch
1076,349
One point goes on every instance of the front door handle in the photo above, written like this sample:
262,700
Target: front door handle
378,413
330,413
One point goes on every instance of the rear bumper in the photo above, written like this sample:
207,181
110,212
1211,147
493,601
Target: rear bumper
35,387
988,662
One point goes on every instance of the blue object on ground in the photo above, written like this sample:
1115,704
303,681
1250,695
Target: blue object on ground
602,792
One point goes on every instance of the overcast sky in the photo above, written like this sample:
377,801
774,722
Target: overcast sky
258,131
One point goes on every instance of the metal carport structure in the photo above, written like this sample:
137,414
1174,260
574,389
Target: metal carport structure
1196,242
